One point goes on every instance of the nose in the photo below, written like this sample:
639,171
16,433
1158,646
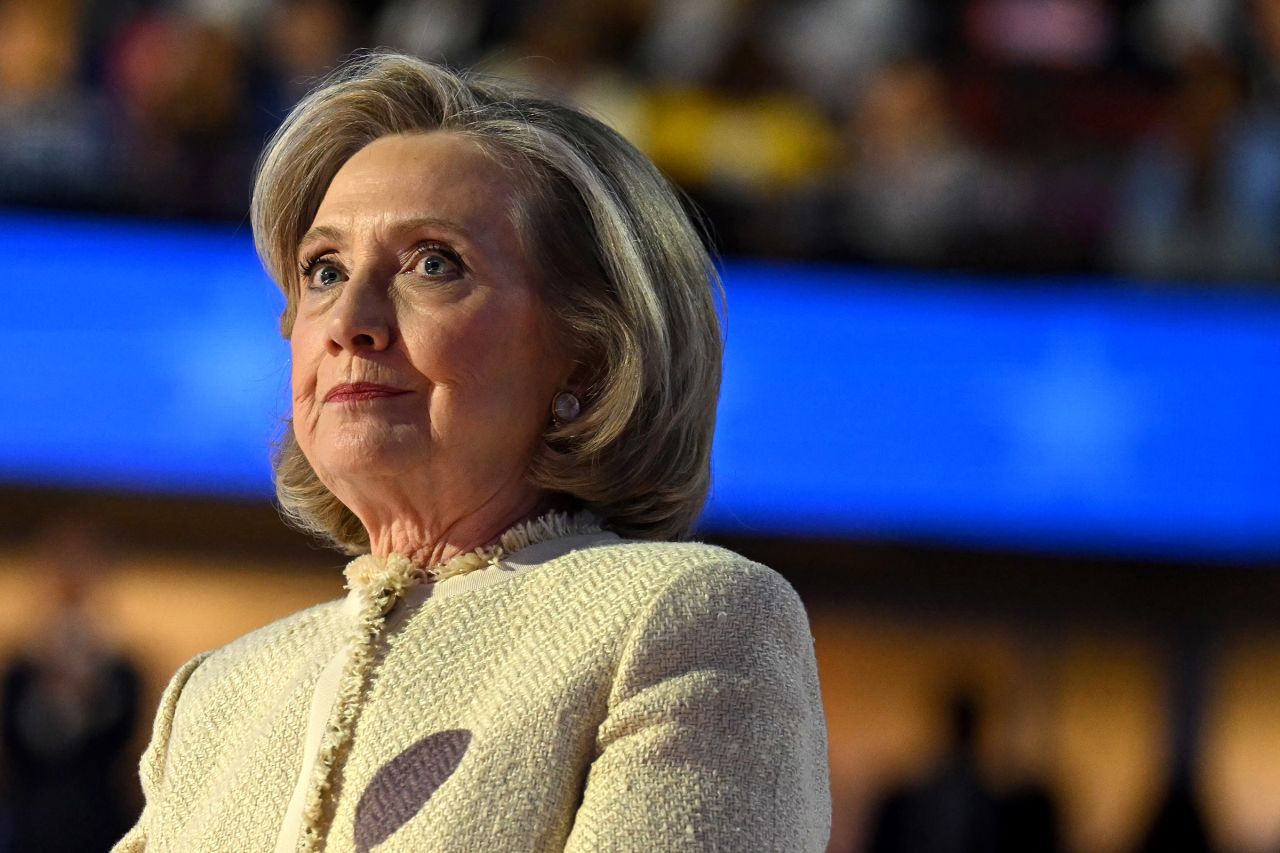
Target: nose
363,318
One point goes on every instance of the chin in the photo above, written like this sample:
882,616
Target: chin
369,451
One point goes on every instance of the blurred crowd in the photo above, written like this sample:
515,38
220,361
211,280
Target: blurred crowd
1140,137
69,709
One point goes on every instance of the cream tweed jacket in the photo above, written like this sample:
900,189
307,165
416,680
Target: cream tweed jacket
588,694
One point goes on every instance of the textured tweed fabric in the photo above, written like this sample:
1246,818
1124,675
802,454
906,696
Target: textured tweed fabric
623,696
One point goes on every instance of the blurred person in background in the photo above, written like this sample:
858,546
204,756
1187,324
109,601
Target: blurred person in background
915,190
184,144
70,706
1178,825
954,808
830,48
505,364
301,41
455,32
1201,194
582,50
752,150
53,147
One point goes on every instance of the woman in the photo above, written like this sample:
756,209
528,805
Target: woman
505,367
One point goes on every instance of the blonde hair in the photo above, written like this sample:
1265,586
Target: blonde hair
625,280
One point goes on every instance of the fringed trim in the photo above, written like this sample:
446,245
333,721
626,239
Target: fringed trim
397,574
342,719
379,585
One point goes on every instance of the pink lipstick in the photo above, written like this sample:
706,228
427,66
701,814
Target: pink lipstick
355,391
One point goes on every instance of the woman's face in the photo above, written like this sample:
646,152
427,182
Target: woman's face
421,359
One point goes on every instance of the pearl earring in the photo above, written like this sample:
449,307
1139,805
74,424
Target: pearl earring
565,407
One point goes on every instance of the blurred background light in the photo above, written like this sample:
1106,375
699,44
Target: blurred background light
1061,416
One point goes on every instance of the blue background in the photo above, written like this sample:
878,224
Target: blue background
1060,416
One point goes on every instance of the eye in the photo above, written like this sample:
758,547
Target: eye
437,262
322,273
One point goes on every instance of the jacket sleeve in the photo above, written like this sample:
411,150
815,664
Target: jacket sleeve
715,737
153,758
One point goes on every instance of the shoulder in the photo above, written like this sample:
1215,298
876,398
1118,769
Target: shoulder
641,561
717,676
628,590
693,571
684,591
227,689
298,635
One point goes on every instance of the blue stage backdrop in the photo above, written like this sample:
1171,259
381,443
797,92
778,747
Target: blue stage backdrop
1068,416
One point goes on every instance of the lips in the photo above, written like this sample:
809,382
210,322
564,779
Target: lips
354,391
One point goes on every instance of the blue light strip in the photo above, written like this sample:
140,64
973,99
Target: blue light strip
1063,416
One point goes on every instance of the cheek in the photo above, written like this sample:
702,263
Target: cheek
496,362
303,378
302,360
517,359
469,348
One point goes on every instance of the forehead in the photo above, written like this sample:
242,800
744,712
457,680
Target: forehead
437,174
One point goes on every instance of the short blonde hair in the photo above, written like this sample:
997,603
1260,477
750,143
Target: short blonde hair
626,280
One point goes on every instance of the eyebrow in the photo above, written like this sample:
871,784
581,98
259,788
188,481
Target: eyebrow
337,235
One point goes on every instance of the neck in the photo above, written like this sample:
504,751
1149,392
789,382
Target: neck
425,542
393,574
